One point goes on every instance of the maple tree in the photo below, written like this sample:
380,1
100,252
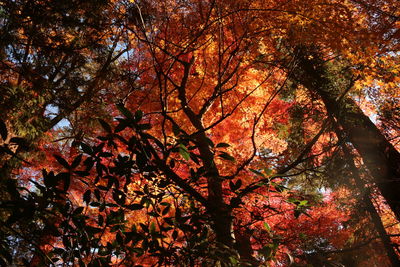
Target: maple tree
198,133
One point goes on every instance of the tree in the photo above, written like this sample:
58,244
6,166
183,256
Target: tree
379,154
53,58
203,136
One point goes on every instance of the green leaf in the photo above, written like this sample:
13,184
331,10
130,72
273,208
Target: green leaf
93,230
66,178
58,251
125,111
152,227
184,152
222,145
166,210
97,194
78,210
105,154
105,125
172,163
231,185
87,196
119,196
266,251
257,172
100,220
119,238
76,161
144,126
297,213
138,115
123,123
302,236
268,171
62,161
21,142
267,227
210,142
144,227
226,156
175,129
238,184
174,234
303,203
280,188
95,204
87,149
233,260
194,157
135,206
235,186
82,173
3,130
48,178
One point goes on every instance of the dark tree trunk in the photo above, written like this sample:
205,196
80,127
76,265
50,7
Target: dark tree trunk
380,228
220,212
369,206
243,247
378,154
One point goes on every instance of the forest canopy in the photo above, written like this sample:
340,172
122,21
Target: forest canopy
200,133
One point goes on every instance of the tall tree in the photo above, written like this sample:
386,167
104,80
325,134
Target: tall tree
54,57
379,155
200,133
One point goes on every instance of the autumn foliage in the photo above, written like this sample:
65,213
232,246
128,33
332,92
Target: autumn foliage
199,133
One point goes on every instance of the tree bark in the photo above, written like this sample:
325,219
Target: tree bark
243,246
369,206
378,154
220,212
380,228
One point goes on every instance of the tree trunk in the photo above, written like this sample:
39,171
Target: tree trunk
369,206
378,154
380,228
243,246
220,212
